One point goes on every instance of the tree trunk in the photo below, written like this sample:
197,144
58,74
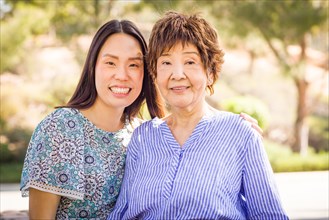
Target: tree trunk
252,56
96,13
300,143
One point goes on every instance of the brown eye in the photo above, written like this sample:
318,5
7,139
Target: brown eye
165,63
190,62
133,65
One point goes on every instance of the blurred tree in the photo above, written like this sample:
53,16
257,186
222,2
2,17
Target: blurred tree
16,30
162,5
281,24
73,18
68,18
250,105
23,21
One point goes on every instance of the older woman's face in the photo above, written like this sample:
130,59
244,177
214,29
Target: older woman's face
181,77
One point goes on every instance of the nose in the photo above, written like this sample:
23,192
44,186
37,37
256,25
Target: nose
121,73
178,72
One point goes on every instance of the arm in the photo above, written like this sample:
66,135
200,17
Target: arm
42,205
42,164
260,192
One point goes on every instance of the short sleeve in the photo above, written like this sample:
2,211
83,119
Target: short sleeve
54,158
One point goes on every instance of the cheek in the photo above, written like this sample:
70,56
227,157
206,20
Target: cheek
162,77
200,83
159,81
98,77
138,78
101,73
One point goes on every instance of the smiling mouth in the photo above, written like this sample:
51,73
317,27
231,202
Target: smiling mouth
118,90
179,88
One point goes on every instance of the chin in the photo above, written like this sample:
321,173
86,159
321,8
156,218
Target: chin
179,106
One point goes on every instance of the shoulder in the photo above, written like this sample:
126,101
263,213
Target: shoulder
232,122
234,131
148,128
60,121
135,122
226,117
59,116
152,124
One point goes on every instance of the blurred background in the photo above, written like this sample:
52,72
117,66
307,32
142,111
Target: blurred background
276,68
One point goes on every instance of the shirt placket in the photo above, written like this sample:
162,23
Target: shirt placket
172,172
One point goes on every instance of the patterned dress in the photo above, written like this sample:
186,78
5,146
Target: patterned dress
71,157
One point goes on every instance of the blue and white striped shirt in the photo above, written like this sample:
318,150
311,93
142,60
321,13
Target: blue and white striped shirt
221,172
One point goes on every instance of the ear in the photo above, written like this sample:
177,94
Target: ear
210,79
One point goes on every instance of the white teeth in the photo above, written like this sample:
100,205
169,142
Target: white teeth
120,90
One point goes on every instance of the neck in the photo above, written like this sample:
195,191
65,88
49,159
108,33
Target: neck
103,117
182,122
188,118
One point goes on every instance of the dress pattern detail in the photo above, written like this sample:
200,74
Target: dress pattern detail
71,157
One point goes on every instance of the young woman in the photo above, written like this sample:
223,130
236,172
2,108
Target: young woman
75,160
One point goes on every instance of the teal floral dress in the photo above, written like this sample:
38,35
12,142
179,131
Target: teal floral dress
71,157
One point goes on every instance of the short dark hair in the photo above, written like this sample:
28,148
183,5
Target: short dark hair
175,27
85,93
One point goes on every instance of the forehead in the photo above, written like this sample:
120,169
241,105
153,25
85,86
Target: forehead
121,43
181,47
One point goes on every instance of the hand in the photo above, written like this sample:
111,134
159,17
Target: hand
254,122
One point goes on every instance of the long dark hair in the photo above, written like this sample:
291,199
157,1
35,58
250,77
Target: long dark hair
85,93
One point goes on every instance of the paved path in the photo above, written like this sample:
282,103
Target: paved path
304,195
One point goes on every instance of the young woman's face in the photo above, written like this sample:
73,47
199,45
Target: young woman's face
119,71
181,77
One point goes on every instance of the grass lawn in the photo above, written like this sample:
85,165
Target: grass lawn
283,159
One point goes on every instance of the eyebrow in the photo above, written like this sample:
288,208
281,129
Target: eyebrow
186,52
138,57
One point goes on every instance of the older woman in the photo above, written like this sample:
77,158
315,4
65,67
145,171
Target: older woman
197,162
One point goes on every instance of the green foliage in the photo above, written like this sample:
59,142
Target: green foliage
60,19
287,20
11,172
16,30
250,105
6,155
279,23
282,159
22,109
14,142
75,17
319,132
162,5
